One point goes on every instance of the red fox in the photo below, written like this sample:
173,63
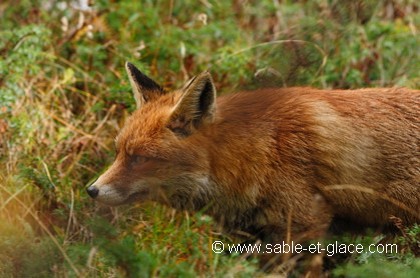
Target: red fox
271,162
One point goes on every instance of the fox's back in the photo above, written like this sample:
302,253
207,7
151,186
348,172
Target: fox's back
349,145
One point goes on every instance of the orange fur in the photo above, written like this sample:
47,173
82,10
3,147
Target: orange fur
254,159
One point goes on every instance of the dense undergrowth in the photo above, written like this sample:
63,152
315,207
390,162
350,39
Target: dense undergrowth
64,95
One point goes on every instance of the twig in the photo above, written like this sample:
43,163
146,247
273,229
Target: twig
55,241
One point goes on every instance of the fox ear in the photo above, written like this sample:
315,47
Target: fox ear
144,88
197,105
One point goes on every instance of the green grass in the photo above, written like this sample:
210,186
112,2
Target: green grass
64,95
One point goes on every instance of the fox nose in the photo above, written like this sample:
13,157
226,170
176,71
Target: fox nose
92,191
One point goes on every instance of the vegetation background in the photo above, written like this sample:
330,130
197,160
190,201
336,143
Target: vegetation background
64,95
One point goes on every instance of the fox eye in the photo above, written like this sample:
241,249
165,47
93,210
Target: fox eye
138,159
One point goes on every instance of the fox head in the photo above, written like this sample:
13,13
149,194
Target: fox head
154,158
